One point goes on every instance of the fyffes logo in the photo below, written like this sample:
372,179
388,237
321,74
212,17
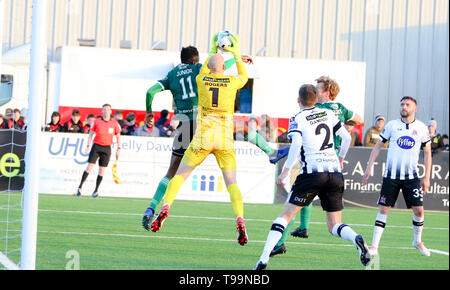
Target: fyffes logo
204,183
406,142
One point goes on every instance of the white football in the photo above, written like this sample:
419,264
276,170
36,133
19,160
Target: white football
223,39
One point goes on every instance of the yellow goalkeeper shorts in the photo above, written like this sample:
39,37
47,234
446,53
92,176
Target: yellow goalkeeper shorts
225,158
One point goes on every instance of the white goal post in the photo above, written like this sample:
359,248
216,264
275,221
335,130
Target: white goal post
30,192
38,63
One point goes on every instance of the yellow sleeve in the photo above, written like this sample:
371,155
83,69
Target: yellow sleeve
242,78
205,70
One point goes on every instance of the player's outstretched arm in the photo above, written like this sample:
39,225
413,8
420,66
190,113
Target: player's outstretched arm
428,161
345,143
357,119
294,151
372,158
156,88
213,49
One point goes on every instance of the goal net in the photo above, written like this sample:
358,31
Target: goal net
12,168
19,191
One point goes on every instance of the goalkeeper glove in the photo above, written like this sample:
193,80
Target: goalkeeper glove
213,49
235,49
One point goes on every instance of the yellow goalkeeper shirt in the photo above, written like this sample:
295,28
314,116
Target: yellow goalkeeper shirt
217,94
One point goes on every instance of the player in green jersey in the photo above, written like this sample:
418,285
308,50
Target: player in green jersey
327,91
182,84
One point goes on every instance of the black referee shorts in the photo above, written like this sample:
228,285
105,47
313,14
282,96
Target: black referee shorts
182,139
100,152
329,186
411,189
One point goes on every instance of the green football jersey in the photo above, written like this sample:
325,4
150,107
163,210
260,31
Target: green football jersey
181,82
342,113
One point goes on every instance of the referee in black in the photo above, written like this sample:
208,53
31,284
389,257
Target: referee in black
104,128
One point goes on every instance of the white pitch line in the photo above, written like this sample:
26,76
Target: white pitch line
227,204
7,262
222,240
438,252
218,218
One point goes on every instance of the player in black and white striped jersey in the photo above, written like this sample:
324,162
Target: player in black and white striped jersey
406,136
311,132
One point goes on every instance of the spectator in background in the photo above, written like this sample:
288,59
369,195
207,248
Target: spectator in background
8,115
239,134
349,125
118,115
267,130
174,123
147,129
15,122
54,125
373,134
1,121
253,123
88,123
436,140
163,123
74,125
130,125
445,141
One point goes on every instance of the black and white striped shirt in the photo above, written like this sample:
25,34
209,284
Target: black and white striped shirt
312,133
405,141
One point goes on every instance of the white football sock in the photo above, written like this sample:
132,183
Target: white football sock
345,232
418,227
380,224
274,236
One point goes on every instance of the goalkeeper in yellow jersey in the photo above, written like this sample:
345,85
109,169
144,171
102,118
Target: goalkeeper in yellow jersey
214,134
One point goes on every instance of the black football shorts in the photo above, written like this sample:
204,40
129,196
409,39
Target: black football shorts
411,189
103,153
329,186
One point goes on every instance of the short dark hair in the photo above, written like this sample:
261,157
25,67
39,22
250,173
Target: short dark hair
106,105
55,114
131,116
164,114
189,55
75,112
307,95
118,112
409,98
90,116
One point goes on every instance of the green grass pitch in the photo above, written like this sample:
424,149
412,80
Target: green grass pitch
106,233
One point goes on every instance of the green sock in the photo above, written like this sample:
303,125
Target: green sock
254,138
286,233
305,215
160,191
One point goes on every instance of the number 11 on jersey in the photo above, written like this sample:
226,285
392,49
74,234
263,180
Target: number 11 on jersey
191,93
